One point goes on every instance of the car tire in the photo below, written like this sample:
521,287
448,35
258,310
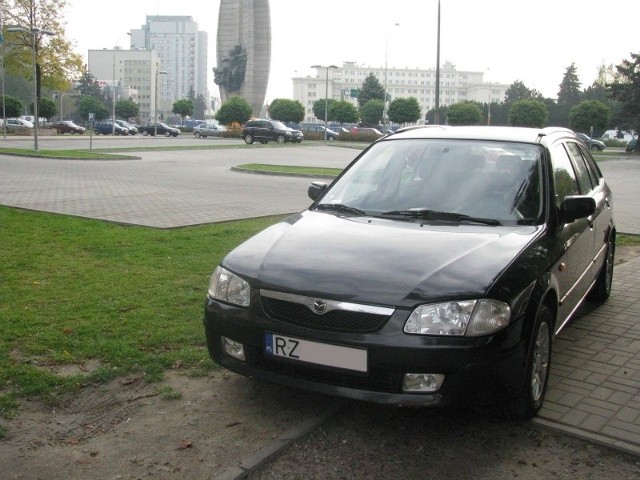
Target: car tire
198,135
248,139
167,134
175,134
538,362
280,139
145,133
602,288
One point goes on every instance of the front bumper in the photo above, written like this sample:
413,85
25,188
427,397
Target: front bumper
477,370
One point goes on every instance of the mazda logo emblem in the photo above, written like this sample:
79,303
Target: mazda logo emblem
319,306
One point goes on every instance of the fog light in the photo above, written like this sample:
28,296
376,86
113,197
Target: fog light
422,382
233,348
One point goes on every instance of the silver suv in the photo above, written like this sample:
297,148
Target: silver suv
265,131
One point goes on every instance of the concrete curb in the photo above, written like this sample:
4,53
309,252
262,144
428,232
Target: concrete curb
603,440
269,451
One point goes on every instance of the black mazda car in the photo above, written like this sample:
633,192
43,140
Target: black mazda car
435,270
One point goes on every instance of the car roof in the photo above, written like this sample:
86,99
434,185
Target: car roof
512,134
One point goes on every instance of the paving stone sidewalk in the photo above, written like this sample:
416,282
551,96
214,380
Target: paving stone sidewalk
594,389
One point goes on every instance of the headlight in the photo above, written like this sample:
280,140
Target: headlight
230,288
469,318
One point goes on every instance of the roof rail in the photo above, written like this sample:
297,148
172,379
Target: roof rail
417,127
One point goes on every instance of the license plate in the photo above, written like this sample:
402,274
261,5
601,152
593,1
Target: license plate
315,352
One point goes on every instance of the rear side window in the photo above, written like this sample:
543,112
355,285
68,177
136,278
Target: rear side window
585,177
564,176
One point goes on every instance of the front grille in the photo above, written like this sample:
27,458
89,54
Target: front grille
334,320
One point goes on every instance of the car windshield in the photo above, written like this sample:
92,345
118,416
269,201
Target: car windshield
280,125
443,180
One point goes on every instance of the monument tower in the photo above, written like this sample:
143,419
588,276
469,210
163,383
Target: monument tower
243,51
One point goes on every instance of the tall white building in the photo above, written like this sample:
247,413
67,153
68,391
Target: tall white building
132,73
182,55
455,86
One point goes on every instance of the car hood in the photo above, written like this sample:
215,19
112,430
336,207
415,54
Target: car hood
377,261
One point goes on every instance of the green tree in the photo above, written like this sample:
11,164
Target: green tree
87,85
404,110
199,103
183,107
528,113
343,112
589,114
234,110
46,108
127,108
568,96
569,92
13,106
465,113
87,105
626,90
519,91
286,110
318,107
371,112
371,89
56,62
199,107
430,117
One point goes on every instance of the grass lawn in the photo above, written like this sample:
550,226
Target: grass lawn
290,169
129,299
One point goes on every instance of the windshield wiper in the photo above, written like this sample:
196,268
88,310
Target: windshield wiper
428,214
340,207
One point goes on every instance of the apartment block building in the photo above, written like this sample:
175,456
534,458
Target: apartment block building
182,52
455,85
132,73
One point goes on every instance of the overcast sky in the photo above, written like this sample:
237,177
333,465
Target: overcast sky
533,41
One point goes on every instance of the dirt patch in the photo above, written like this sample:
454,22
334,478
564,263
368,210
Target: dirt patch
129,429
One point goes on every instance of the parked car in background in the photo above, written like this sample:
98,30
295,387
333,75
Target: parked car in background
67,126
319,128
592,143
265,131
425,274
150,128
367,131
204,130
17,124
631,145
107,128
124,124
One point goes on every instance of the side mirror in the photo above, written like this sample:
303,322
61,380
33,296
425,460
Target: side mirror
577,206
316,189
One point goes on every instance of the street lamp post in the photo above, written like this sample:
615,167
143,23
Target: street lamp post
4,112
326,96
489,106
155,104
437,112
62,97
384,100
33,31
113,90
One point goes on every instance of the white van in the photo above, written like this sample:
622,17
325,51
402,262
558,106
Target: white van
613,135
